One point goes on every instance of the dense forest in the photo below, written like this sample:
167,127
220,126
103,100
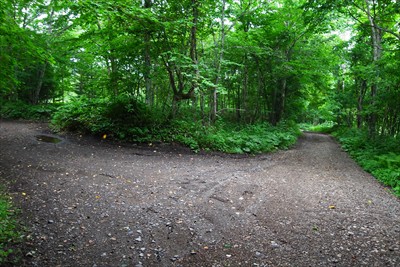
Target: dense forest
230,75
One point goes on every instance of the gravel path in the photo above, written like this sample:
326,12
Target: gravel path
93,203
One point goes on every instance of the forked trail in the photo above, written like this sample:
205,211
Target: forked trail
93,203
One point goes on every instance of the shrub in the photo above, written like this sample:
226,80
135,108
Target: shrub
22,110
126,118
379,156
122,117
233,138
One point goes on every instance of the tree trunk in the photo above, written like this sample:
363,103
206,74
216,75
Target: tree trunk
360,102
282,99
376,37
219,58
176,77
41,74
114,75
193,48
147,61
245,87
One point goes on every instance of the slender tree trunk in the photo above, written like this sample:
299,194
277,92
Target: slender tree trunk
282,99
260,107
147,61
194,57
246,27
239,104
193,51
111,64
245,87
38,89
176,76
42,70
376,37
219,60
114,76
202,108
360,103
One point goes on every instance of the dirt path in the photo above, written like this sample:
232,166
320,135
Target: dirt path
92,203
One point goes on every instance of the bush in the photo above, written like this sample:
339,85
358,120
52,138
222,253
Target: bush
122,117
233,138
22,110
379,156
127,119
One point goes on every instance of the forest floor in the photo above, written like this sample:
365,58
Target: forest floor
92,202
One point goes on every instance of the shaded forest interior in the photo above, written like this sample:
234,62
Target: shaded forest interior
245,61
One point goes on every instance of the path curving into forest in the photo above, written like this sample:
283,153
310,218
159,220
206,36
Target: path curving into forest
93,203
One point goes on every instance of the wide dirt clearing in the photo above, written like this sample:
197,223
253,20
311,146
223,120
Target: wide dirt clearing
90,202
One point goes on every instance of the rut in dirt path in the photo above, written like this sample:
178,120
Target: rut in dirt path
93,203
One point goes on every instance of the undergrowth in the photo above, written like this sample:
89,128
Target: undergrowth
379,156
121,118
9,233
124,118
325,127
22,110
233,138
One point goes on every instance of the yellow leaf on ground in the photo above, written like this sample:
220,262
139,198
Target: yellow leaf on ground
332,207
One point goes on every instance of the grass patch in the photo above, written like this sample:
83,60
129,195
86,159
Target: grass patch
9,233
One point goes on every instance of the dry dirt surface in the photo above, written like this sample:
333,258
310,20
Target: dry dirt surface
91,202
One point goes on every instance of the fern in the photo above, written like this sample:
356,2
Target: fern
380,156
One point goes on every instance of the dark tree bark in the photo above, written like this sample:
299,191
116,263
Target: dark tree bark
38,88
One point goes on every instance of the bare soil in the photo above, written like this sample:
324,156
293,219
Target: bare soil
92,202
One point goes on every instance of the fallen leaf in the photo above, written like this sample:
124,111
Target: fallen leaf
104,136
227,246
332,207
23,193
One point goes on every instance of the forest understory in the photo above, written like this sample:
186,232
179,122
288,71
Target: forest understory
91,202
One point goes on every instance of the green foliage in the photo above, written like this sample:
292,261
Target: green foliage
379,156
8,228
233,138
122,117
325,127
126,119
22,110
